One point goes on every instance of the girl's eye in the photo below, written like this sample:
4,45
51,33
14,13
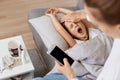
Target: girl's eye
71,25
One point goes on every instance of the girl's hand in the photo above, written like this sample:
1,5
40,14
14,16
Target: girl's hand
66,69
52,11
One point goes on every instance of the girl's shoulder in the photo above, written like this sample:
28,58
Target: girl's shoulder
93,32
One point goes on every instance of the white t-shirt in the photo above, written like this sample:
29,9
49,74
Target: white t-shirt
92,54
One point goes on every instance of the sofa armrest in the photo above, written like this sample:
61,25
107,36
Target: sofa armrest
80,5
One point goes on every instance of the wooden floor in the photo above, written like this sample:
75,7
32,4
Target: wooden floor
13,16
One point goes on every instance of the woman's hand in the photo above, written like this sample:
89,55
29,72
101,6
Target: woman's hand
66,69
52,12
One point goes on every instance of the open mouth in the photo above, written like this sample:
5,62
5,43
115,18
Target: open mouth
79,30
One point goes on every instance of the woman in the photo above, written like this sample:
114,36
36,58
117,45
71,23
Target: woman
105,14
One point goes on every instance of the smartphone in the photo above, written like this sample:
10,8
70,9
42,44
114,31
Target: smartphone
59,55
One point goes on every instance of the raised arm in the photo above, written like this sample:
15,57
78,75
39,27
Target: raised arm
82,16
68,38
65,11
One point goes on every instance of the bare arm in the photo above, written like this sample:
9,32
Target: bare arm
82,16
66,69
68,38
65,11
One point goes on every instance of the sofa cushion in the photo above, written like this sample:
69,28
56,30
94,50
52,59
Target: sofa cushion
46,30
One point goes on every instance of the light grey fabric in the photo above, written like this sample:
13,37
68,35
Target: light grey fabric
42,48
80,4
37,63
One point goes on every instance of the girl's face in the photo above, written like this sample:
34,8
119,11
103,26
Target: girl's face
77,29
113,31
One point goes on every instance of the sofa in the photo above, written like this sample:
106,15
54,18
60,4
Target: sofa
48,61
109,72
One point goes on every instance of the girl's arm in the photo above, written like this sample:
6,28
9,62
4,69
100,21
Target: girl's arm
65,11
87,23
68,38
82,16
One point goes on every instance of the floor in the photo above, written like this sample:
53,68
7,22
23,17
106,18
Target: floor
13,17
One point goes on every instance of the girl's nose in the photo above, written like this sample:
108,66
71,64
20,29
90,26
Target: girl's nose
74,25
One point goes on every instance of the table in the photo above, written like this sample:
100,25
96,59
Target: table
21,69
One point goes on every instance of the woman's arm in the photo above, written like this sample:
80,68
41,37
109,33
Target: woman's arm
68,38
66,70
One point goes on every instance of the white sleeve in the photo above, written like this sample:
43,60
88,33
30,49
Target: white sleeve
111,70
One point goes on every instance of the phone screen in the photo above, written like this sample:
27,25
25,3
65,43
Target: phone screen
58,54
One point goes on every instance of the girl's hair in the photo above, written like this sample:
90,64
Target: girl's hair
109,10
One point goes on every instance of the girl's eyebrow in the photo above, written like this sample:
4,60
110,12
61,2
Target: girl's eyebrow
78,21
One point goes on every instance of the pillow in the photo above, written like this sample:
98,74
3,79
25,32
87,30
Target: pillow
46,30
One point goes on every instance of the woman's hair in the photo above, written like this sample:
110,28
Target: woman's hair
109,10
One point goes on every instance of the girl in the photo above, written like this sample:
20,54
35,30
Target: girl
105,14
86,43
